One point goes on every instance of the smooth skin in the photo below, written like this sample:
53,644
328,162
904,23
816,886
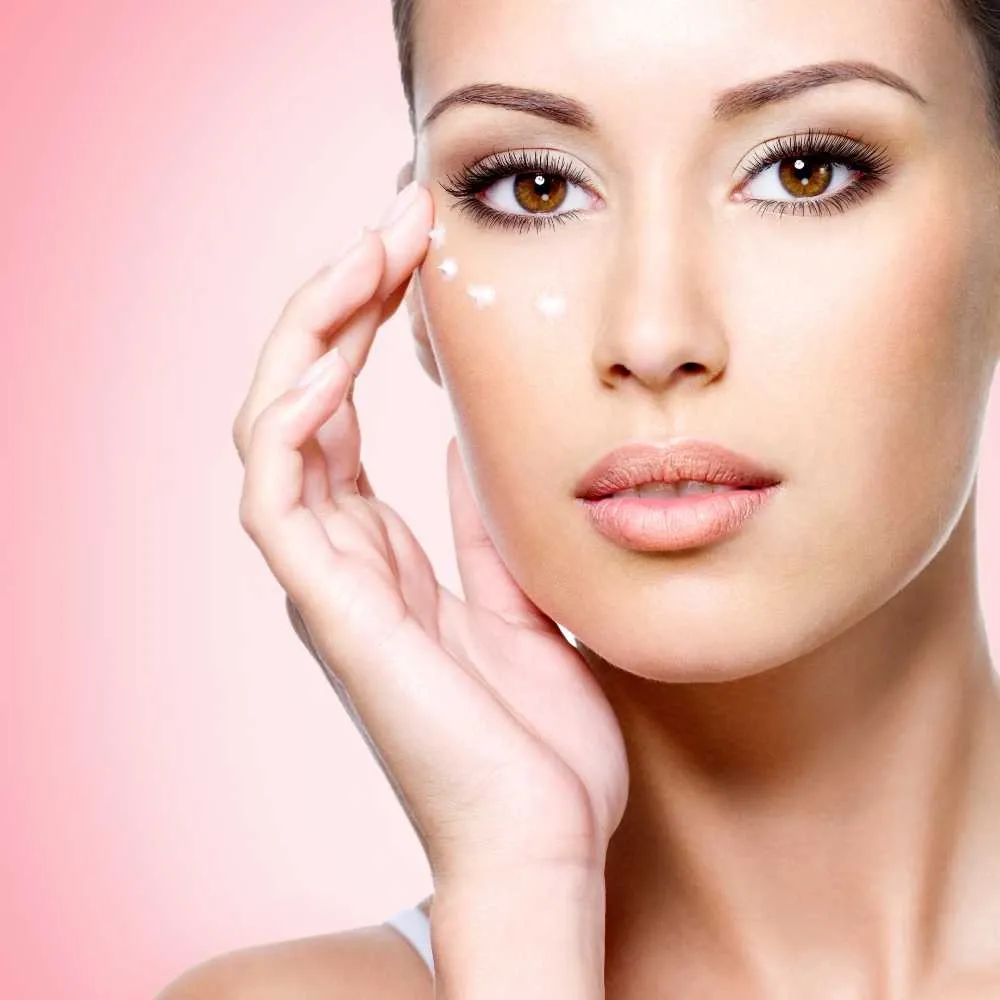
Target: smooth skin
454,694
426,676
823,822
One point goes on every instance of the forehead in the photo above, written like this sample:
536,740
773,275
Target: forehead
674,55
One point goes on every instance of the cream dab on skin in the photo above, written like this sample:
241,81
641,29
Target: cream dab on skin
437,235
483,295
448,268
550,305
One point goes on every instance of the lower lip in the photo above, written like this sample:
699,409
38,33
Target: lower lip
671,524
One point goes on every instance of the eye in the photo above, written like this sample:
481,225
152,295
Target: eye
522,189
813,173
800,177
535,192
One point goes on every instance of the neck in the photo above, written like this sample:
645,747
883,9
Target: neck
823,828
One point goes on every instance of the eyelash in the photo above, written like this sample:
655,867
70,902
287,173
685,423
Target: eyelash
871,162
478,177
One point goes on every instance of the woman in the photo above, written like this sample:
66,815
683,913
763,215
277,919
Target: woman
768,765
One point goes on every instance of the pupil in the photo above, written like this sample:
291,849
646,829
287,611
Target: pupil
806,175
537,192
541,185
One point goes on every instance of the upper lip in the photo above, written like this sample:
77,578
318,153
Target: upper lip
704,461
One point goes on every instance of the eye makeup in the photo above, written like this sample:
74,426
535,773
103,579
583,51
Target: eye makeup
804,149
473,179
869,163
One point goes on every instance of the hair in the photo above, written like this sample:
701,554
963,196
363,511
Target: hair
980,17
403,14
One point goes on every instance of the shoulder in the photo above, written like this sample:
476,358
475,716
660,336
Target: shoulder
365,963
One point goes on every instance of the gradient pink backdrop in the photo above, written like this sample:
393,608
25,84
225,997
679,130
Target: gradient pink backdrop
178,779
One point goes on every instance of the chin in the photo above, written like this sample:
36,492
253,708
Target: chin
699,659
726,641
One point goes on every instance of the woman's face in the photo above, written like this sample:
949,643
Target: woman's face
834,319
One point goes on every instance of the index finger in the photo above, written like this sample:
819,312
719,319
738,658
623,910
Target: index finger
345,304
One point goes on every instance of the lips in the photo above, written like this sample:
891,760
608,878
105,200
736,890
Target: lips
623,498
692,460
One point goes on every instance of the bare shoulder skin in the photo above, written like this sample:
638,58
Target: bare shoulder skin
364,963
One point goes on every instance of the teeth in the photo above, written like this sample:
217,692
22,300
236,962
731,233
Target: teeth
682,488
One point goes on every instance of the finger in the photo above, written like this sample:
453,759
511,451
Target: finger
345,303
300,336
405,241
391,675
486,581
287,532
364,484
334,434
417,580
393,302
341,445
325,554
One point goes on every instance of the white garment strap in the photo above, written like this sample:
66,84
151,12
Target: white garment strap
413,924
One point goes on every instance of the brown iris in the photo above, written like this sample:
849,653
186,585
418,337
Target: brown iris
806,176
537,192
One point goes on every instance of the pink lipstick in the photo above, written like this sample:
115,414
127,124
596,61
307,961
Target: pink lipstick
666,498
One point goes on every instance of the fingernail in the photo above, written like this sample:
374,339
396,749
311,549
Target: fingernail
318,367
403,201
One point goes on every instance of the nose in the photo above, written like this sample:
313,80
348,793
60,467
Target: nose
658,327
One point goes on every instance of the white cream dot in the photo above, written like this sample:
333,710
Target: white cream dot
437,235
448,268
550,305
484,295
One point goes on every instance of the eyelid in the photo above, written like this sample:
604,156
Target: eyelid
868,159
477,175
843,147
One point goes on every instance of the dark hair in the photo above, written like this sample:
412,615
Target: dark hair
403,12
980,17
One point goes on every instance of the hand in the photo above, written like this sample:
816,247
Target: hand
494,734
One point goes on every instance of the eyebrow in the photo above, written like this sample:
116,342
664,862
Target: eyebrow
731,103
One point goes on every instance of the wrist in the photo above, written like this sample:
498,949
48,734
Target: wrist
528,932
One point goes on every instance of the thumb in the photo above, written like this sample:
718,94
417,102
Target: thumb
486,581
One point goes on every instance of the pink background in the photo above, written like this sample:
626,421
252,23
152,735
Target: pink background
177,777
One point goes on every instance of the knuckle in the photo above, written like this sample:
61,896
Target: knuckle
239,435
261,426
249,514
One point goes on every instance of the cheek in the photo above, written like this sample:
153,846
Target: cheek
505,315
870,335
516,374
